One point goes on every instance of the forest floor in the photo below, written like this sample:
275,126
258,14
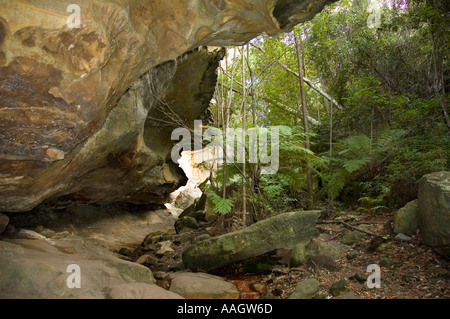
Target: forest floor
409,270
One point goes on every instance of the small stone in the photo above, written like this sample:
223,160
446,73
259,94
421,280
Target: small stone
39,229
62,234
47,233
147,260
29,234
339,287
360,277
165,248
353,237
305,289
327,248
160,275
402,237
352,255
383,247
257,287
386,262
4,221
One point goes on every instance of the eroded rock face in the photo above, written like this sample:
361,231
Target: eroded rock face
66,126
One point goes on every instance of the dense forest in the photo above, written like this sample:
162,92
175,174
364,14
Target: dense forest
360,98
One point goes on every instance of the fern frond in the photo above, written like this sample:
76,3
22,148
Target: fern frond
221,205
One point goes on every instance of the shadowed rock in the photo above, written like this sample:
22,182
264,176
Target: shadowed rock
66,127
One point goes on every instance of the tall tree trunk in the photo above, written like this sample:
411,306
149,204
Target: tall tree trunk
437,30
255,170
226,124
304,108
244,127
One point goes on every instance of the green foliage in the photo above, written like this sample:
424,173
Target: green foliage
222,206
370,204
357,156
391,130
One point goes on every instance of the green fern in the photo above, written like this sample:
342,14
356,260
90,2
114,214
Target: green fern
221,205
336,183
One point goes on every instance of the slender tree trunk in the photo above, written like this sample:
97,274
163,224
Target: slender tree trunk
331,130
437,30
304,108
244,126
226,124
255,170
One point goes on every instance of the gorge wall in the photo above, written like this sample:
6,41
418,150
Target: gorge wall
84,111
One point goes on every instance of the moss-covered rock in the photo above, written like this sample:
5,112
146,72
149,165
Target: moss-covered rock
305,289
434,211
406,219
281,231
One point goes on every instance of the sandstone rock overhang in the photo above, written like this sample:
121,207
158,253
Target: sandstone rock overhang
62,128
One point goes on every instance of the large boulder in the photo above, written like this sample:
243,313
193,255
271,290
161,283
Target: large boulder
40,269
202,286
281,231
434,211
406,219
63,130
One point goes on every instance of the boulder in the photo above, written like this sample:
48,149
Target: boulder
202,286
305,289
434,211
40,269
281,231
298,254
406,219
339,288
353,237
330,249
186,224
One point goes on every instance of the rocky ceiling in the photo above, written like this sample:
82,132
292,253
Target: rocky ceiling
76,102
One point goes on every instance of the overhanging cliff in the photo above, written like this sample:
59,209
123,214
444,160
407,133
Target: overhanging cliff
78,105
